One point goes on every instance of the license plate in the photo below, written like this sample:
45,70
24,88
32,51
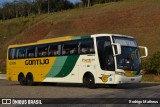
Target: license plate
129,73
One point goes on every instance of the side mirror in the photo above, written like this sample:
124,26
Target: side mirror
117,48
146,51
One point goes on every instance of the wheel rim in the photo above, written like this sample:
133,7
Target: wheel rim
89,82
29,79
22,80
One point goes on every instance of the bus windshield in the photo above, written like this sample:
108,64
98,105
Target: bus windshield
129,59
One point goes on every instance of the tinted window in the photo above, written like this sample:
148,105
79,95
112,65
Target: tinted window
54,50
105,53
21,52
31,52
16,53
42,50
11,53
70,48
87,46
125,41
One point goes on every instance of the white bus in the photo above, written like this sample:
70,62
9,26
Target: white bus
94,59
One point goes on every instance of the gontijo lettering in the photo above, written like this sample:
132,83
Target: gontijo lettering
37,62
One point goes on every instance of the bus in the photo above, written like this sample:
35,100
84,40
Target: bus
109,59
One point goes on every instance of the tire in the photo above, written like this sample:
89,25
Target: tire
112,85
22,79
29,79
89,81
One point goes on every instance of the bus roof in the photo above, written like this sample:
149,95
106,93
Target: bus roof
96,35
60,39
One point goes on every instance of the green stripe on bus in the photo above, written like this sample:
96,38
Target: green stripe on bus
81,37
68,66
64,64
75,38
57,66
85,37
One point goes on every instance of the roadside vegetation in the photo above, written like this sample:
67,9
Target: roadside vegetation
24,8
152,68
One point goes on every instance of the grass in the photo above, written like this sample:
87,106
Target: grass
138,18
150,78
11,28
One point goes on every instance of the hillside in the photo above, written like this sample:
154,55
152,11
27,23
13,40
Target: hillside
138,18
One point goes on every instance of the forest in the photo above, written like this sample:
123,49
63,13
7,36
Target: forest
23,8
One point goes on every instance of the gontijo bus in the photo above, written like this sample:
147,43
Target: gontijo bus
95,59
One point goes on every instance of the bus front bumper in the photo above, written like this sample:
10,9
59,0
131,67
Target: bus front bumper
120,79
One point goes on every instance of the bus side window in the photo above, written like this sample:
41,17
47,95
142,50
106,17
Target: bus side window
16,53
31,52
11,53
87,46
42,50
53,50
21,52
70,48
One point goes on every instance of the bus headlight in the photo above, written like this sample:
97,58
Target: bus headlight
120,73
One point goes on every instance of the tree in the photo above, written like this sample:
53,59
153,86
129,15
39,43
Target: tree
153,63
48,6
8,10
38,4
25,7
88,3
15,8
20,8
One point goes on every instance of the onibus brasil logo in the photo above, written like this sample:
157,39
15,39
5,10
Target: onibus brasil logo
21,101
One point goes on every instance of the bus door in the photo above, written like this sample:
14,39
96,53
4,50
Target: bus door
106,58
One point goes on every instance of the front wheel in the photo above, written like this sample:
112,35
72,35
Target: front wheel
89,81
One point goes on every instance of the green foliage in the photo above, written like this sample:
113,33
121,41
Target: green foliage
23,8
93,2
152,65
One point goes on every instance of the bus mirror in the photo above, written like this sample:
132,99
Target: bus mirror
143,51
117,48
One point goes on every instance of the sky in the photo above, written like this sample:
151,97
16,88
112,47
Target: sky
74,1
2,1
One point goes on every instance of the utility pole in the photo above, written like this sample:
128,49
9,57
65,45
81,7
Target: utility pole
15,10
88,3
48,6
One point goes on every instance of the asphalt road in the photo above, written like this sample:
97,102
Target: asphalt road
10,89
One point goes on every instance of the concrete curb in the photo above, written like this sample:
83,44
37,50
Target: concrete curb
3,76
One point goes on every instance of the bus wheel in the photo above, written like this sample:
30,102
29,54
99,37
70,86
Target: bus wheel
22,79
29,79
112,85
89,81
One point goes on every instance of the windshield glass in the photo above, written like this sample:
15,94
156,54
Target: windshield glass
129,59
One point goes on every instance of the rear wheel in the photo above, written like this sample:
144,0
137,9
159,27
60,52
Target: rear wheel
30,80
22,79
89,81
